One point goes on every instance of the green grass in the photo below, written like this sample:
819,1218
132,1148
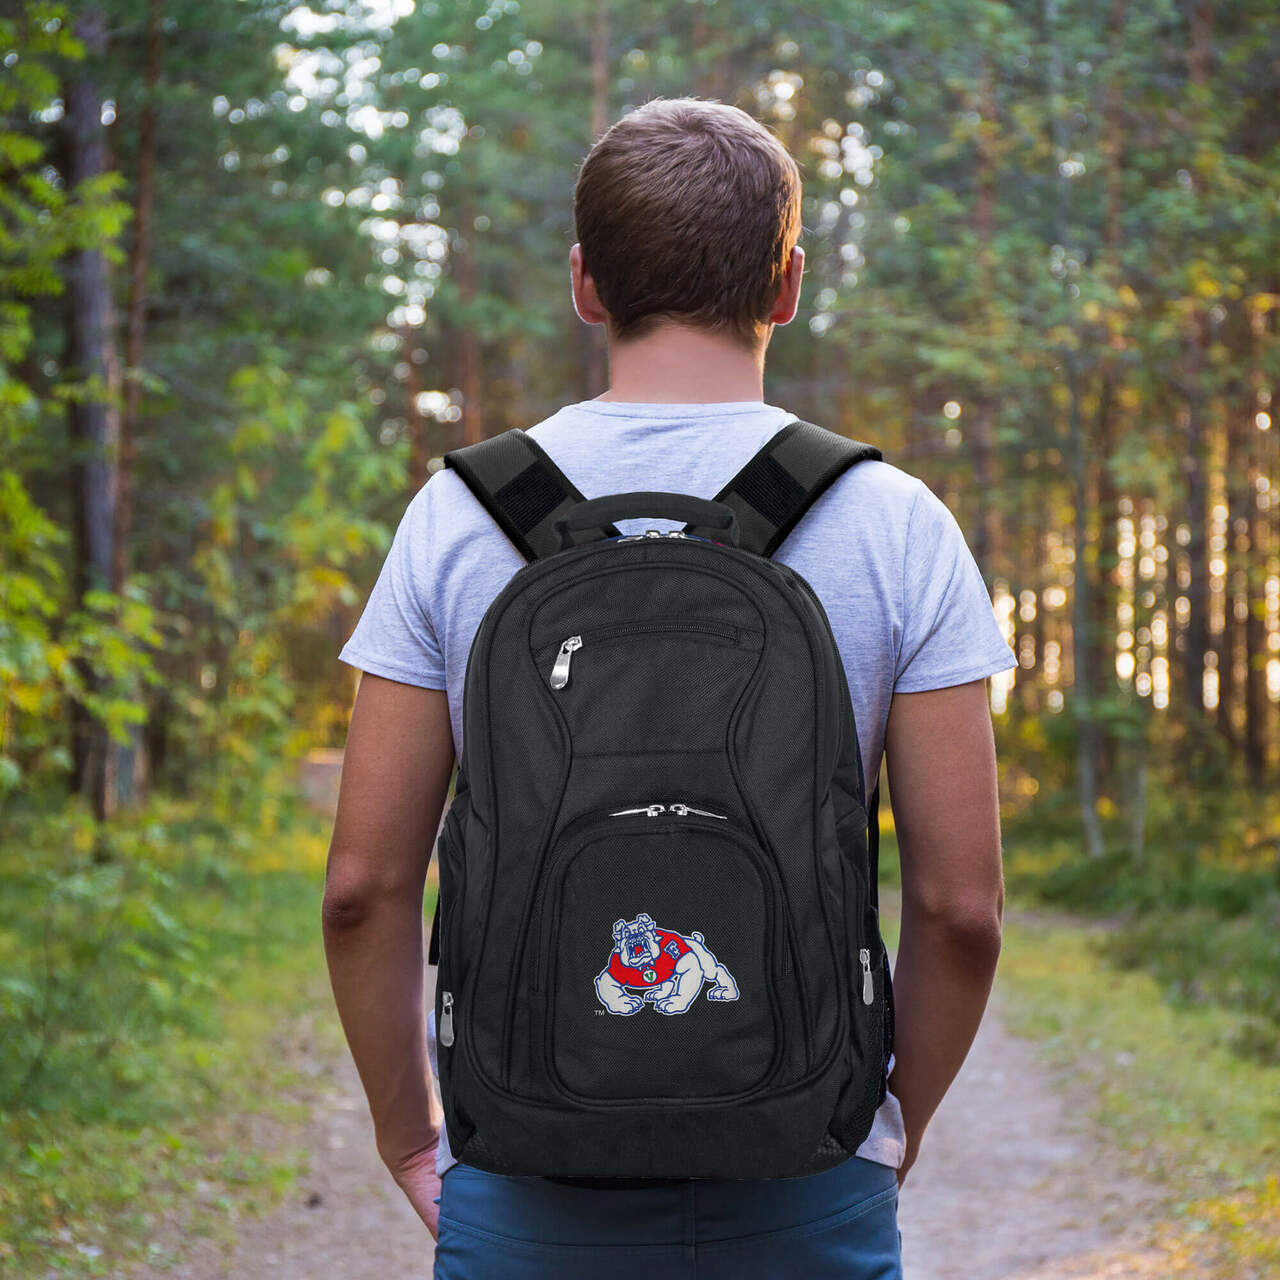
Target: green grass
150,1005
1168,1014
1202,1118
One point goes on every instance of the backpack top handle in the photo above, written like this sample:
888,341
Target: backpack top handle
701,513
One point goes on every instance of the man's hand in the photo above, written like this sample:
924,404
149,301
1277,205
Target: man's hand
395,777
416,1176
913,1150
942,771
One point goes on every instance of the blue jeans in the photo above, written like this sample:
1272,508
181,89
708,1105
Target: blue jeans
837,1225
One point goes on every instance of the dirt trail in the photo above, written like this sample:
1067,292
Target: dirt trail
1014,1183
343,1219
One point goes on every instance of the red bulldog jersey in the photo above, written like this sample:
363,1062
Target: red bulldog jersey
671,947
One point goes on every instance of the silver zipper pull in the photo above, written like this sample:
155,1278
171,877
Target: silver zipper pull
446,1019
650,810
868,984
683,809
652,533
560,672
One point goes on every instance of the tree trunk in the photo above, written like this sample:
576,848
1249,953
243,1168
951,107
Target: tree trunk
987,531
599,69
134,764
93,423
1031,691
1138,800
595,351
1112,128
471,357
1084,683
1104,571
136,305
1195,635
1256,705
415,422
1083,705
1236,555
1106,504
1195,463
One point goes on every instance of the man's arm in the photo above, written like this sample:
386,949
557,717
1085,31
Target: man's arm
942,771
395,777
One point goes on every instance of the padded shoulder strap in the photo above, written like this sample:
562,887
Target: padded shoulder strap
784,478
521,488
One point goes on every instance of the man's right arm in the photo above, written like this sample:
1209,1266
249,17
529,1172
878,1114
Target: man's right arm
942,771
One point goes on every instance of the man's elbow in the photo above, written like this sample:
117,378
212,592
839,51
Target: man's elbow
351,902
345,908
968,925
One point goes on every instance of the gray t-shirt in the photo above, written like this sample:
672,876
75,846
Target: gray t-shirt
906,601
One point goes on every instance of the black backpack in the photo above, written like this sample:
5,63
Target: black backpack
657,938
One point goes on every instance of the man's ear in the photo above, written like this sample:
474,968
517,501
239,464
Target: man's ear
784,309
586,302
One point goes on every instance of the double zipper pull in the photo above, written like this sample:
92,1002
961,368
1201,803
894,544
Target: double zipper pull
868,985
560,672
652,533
680,810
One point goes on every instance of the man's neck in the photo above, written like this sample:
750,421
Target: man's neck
679,364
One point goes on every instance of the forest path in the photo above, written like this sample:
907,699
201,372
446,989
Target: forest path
343,1219
1015,1183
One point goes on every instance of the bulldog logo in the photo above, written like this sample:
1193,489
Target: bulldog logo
667,969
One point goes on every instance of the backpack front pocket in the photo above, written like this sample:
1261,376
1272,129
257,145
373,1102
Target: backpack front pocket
657,954
685,673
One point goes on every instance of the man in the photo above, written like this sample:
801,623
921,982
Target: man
687,214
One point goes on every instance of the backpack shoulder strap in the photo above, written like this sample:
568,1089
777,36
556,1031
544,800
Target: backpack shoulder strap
521,488
784,478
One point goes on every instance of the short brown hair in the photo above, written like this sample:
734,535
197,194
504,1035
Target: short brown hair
687,209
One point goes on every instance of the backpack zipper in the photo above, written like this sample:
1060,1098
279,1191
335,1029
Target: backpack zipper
571,644
651,533
868,984
653,810
446,1019
560,672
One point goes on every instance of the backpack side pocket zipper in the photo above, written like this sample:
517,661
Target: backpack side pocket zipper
446,1019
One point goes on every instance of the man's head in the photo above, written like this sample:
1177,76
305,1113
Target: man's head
688,210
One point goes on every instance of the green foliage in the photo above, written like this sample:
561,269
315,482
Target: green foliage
1201,958
1199,910
95,969
51,653
139,1000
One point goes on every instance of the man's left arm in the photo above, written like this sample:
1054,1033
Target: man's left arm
395,777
